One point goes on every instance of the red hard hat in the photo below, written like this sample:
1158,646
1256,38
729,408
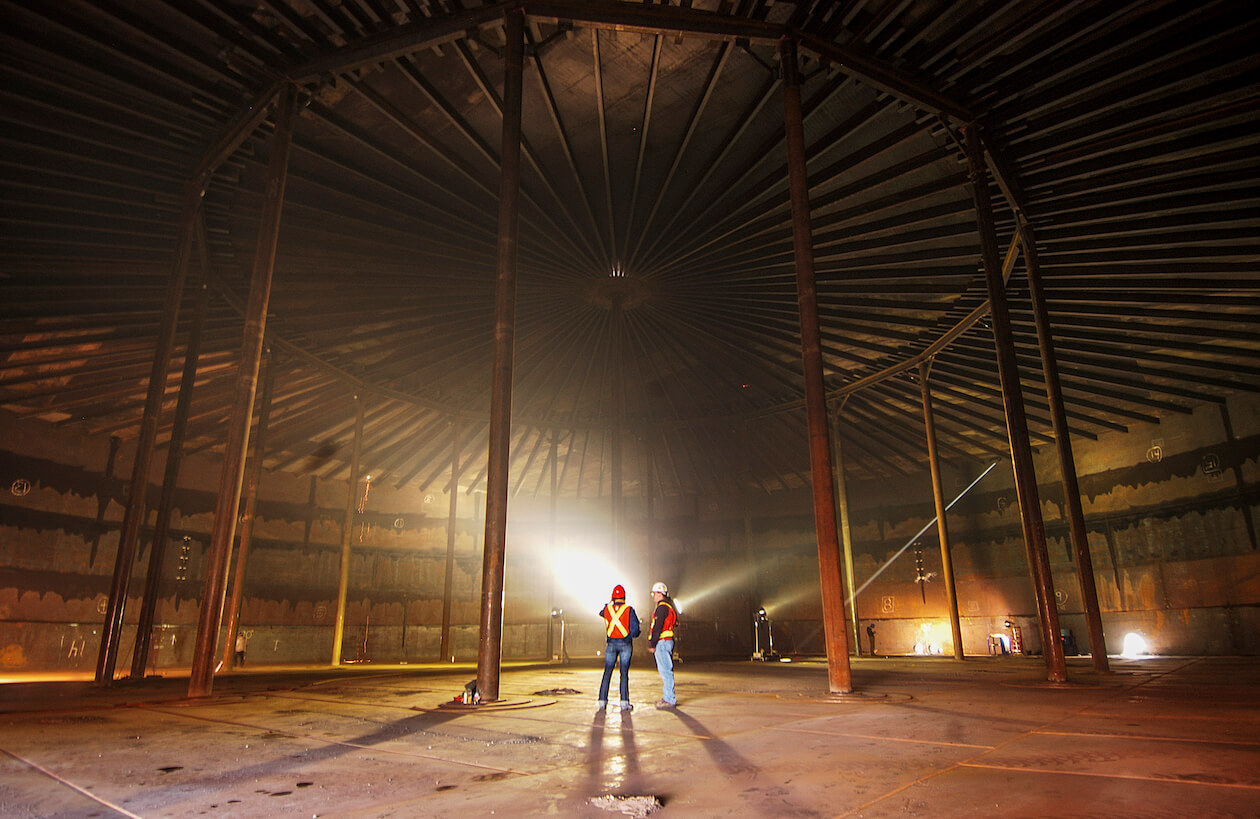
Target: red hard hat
619,593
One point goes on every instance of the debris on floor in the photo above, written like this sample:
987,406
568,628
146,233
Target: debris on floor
555,692
636,806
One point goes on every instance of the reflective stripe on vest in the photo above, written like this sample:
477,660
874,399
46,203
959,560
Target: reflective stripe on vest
617,621
667,627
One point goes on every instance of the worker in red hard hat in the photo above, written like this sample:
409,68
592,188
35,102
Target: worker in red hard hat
622,625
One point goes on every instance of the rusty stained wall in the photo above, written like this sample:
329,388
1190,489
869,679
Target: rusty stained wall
1165,507
63,505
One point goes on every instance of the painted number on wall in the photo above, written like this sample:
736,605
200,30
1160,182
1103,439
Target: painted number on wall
1211,466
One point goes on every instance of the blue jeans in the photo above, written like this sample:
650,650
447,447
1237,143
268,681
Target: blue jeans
665,664
615,651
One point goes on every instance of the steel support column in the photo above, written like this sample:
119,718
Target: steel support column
846,534
619,406
174,457
1016,421
1063,444
650,482
138,488
553,459
347,531
839,677
490,636
247,516
755,601
938,498
1240,480
448,582
232,472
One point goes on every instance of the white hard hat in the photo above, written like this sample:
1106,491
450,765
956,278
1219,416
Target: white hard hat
660,587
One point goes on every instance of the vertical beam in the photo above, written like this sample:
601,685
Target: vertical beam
133,516
448,582
619,403
1240,480
938,498
1063,444
846,533
231,474
552,507
650,512
839,677
490,640
347,531
174,456
755,600
248,515
1016,421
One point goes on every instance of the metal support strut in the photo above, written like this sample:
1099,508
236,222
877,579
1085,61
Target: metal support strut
839,676
490,635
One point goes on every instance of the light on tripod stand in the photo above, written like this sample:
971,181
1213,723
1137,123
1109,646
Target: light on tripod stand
762,624
561,655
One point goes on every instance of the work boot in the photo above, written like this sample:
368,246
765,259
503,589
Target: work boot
664,706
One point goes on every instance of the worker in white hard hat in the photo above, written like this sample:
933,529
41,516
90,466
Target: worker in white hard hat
661,642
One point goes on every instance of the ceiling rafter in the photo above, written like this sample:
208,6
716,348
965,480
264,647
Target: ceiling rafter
1126,135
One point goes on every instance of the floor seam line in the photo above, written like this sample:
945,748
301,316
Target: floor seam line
84,792
1131,777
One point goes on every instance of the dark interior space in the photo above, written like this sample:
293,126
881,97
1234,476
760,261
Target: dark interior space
911,342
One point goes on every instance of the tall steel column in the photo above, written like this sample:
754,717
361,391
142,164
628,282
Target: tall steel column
839,676
1063,444
846,534
347,532
248,514
650,484
619,405
755,600
138,488
1016,422
170,478
938,498
490,640
232,472
553,460
448,582
1240,480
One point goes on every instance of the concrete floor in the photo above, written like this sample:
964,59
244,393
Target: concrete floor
1169,736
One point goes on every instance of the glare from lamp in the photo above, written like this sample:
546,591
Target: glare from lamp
1135,646
584,578
923,643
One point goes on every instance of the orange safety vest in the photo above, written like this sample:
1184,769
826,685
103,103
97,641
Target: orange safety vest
617,621
667,627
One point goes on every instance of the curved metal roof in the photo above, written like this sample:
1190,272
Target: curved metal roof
655,247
